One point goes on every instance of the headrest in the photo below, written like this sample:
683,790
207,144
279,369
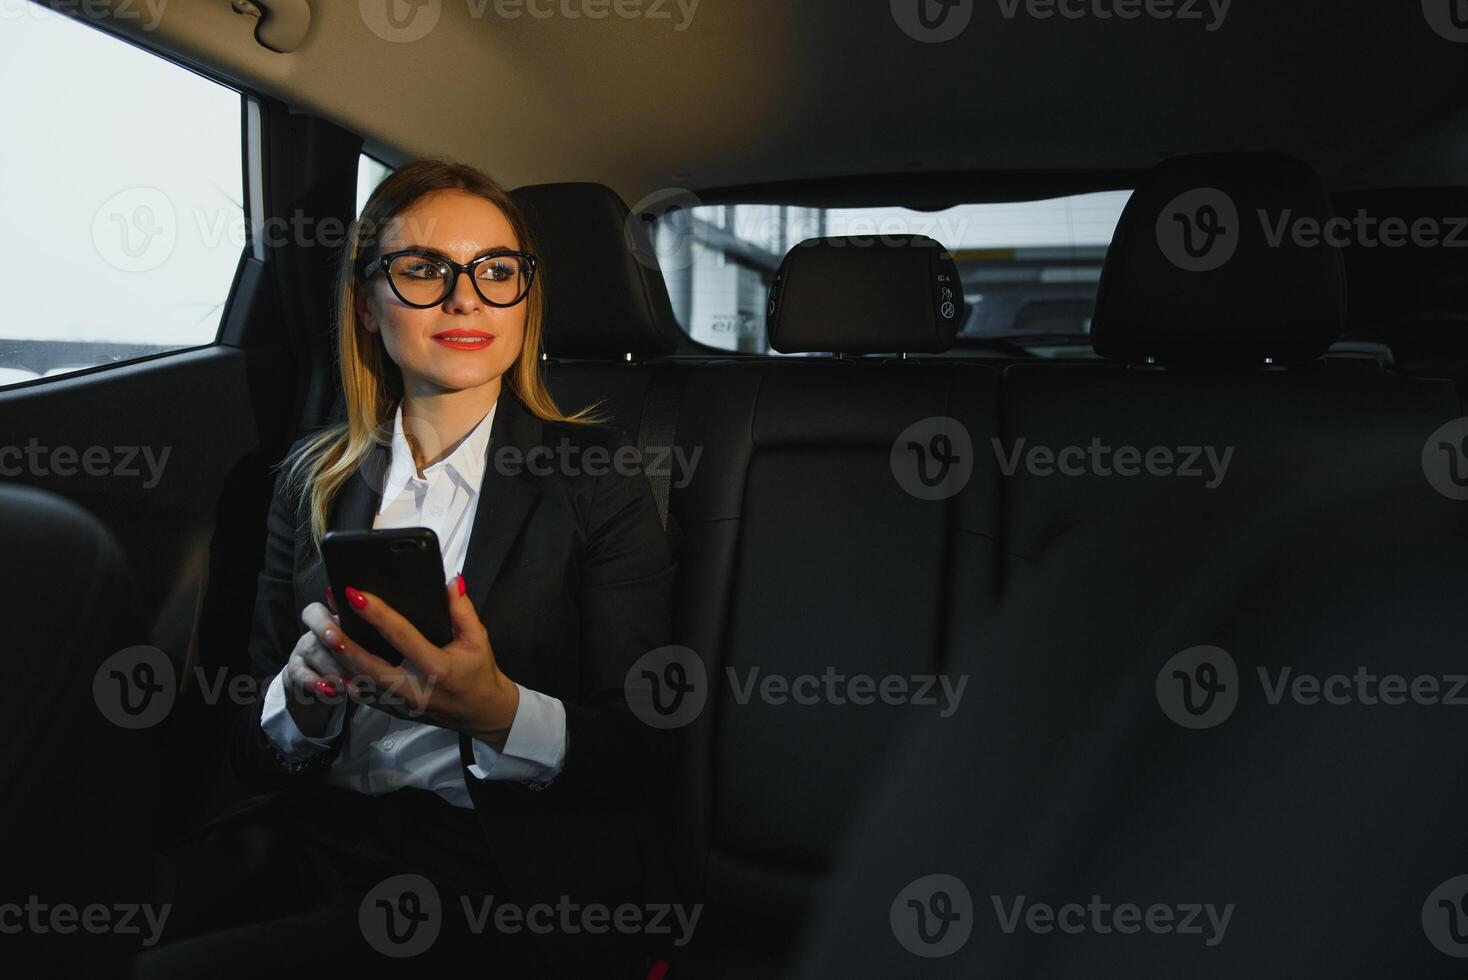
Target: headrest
1220,258
866,295
602,301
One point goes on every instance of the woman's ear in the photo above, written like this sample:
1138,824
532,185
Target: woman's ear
364,314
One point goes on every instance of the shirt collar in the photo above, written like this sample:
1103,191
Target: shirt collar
466,463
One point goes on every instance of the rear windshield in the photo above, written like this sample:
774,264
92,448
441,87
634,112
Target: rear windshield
1029,268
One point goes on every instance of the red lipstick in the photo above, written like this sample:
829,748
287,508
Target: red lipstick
463,338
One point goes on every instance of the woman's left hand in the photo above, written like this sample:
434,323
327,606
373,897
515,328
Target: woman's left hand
457,686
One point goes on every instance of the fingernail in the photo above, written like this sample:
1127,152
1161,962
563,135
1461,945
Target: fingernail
325,689
334,640
330,596
462,587
356,598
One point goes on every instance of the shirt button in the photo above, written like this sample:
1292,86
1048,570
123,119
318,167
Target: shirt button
436,510
387,744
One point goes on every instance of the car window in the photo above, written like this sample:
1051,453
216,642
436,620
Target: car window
121,194
370,173
1029,268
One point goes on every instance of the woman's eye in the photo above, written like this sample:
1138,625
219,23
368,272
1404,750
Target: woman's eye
497,271
422,270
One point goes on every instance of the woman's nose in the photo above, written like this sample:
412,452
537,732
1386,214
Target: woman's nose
463,298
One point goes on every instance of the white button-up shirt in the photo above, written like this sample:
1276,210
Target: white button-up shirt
383,753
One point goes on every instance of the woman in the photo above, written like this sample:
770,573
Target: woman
506,766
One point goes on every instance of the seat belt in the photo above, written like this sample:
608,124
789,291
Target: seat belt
659,425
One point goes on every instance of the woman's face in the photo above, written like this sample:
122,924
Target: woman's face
463,342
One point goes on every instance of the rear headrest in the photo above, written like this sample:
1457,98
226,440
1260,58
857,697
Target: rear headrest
866,295
1213,261
602,301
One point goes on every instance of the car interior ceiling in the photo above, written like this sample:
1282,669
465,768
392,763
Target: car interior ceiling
1304,396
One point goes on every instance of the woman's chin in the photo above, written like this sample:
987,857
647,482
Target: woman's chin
462,379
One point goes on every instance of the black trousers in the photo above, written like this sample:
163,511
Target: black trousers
323,878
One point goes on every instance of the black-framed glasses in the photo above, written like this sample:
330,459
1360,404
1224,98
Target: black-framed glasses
422,278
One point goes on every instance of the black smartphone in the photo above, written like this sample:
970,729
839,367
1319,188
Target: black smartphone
404,567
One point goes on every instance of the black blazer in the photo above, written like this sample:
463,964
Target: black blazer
572,576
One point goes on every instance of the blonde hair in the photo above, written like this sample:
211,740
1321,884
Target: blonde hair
372,384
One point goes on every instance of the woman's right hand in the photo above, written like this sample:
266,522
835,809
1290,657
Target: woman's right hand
315,684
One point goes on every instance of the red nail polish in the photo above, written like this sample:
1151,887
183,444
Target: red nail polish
330,596
356,598
462,587
325,689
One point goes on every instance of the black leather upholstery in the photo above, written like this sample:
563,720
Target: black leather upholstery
1410,291
1325,826
804,554
1062,777
1272,297
67,602
79,795
602,301
603,305
864,295
1278,431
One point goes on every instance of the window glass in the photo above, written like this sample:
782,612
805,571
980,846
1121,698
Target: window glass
370,173
120,194
1029,269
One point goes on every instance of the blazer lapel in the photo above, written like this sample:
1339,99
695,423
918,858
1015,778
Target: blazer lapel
505,495
354,509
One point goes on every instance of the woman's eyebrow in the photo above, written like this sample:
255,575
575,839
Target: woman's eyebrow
479,254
